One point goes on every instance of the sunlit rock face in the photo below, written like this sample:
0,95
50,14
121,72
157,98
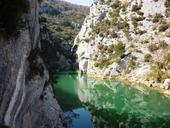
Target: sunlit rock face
26,98
132,34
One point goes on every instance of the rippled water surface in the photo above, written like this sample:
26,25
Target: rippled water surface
90,103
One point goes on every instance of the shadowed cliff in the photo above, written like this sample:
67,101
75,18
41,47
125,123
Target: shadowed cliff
26,97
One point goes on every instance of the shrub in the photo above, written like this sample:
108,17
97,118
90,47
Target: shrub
156,18
86,40
157,74
147,58
100,46
135,8
113,34
167,57
167,33
110,48
166,60
96,64
114,14
102,27
105,48
135,23
119,49
138,18
134,58
144,42
127,34
116,4
11,16
124,7
163,27
123,25
103,63
141,32
159,65
132,64
102,51
101,35
78,40
167,3
153,47
114,17
163,45
102,1
167,12
140,13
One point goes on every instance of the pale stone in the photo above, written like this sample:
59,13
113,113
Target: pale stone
167,83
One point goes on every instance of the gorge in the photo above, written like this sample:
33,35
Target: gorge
121,51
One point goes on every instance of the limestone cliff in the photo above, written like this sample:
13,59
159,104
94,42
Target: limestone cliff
26,98
127,39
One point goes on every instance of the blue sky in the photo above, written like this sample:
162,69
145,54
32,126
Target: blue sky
81,2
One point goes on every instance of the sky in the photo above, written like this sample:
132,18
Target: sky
81,2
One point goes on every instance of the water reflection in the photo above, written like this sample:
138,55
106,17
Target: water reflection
78,118
110,104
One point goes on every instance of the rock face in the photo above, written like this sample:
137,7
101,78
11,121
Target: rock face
126,38
56,55
26,98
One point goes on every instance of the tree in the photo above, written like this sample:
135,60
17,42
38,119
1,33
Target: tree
11,16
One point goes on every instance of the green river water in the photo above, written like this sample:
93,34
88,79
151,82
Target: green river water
90,103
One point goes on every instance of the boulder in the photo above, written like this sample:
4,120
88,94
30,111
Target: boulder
114,71
83,65
166,84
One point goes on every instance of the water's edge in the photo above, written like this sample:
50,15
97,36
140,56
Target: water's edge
131,82
107,103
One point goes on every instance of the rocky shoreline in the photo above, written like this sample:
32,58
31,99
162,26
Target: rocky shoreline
135,82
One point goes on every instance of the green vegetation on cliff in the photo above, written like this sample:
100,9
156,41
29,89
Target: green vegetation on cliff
63,19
